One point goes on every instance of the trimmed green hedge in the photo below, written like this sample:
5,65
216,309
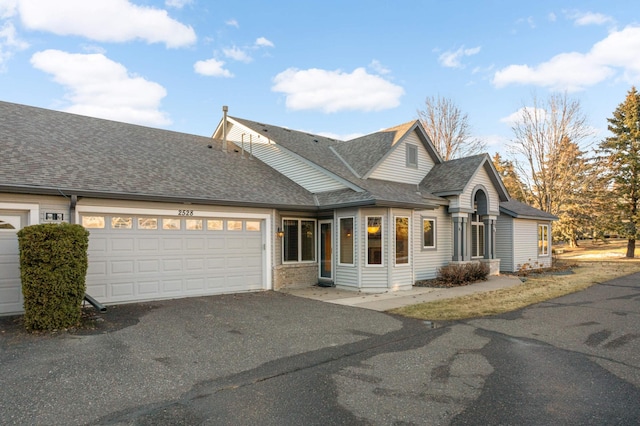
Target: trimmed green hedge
53,269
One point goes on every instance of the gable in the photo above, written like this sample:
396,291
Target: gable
265,142
482,180
394,166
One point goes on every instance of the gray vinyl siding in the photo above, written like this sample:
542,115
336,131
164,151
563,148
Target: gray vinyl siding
504,243
525,243
303,173
401,276
394,167
481,178
347,275
374,276
427,261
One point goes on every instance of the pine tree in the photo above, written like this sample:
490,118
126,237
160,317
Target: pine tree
621,154
510,178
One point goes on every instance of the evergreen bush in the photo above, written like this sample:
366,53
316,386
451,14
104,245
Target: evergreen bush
53,268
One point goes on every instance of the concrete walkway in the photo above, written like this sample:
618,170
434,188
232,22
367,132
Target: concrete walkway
396,299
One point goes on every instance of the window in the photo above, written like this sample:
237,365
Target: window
543,240
299,241
93,222
193,224
147,223
253,225
477,236
119,222
171,224
374,240
428,233
412,156
234,225
346,240
402,240
214,225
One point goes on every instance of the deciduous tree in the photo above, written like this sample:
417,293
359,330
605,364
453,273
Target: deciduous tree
448,128
549,151
621,156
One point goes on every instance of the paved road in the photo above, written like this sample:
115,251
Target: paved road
269,358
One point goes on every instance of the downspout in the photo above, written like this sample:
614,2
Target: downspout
72,209
225,109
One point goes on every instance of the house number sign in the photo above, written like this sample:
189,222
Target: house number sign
185,212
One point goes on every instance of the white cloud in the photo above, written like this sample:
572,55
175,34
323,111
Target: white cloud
9,43
452,59
552,17
8,8
618,52
263,42
99,87
377,66
232,23
237,54
520,114
212,68
590,18
178,4
333,91
105,20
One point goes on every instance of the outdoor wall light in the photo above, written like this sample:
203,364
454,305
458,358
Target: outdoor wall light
280,232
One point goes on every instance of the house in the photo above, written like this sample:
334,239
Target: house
255,207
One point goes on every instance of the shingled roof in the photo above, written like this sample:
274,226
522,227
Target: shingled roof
451,177
515,208
47,152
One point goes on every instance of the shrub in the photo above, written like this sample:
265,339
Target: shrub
53,268
461,274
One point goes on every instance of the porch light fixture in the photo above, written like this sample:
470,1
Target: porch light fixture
280,232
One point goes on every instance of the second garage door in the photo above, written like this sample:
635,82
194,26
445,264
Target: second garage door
136,257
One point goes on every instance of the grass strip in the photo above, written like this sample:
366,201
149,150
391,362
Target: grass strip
536,289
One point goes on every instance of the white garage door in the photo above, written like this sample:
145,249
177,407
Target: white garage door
134,258
10,286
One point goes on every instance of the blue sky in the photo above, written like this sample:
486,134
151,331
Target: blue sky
337,68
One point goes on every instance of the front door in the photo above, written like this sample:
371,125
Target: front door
326,264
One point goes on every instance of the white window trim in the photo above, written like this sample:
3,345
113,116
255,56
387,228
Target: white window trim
480,225
435,233
544,225
408,264
33,212
315,242
366,232
353,241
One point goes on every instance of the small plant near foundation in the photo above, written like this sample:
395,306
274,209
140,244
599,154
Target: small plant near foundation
462,274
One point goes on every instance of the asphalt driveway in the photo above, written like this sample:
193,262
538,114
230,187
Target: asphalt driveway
276,359
145,360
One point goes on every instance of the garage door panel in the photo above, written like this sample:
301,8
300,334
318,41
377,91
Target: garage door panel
122,245
172,265
122,290
149,244
172,286
145,264
196,244
96,268
148,265
122,267
172,243
148,288
195,284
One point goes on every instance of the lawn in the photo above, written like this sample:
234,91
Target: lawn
582,267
